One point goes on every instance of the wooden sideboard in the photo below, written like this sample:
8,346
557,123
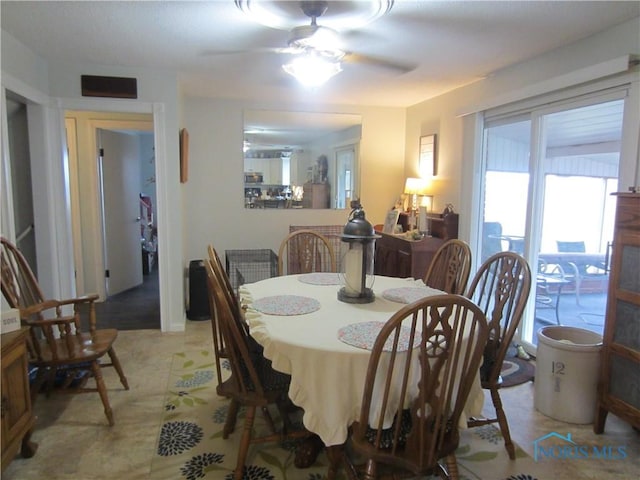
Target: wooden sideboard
17,416
619,383
315,195
396,256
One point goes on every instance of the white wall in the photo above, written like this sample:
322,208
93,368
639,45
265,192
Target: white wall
157,94
22,70
457,136
209,207
26,75
214,193
59,85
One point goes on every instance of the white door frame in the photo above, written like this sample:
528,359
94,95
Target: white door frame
170,288
54,237
629,168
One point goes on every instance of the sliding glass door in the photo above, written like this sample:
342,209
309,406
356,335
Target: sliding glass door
506,183
548,177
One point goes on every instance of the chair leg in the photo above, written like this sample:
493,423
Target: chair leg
502,421
28,448
452,467
218,368
49,381
41,379
269,419
102,390
370,470
243,448
118,367
230,422
308,450
334,453
337,457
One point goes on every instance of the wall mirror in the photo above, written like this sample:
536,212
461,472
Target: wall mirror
300,159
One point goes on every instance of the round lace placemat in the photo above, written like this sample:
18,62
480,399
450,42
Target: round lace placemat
363,335
406,294
320,278
286,305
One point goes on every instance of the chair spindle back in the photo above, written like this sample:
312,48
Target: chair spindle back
414,397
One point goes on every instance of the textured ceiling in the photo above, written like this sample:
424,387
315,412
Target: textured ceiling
212,44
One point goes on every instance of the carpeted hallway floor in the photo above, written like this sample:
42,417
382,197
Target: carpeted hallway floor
135,309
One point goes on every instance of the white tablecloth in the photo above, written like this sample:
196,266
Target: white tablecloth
327,375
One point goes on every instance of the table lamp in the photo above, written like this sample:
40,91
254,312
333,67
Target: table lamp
415,187
358,260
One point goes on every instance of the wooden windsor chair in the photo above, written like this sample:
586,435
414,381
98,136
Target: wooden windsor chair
253,382
500,288
66,350
215,274
450,268
414,397
218,342
306,251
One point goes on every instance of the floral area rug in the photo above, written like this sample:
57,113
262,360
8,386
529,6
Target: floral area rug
190,444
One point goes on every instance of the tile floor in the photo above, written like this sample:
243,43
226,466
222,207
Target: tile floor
75,442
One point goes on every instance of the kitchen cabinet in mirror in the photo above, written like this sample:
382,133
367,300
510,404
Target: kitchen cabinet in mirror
291,156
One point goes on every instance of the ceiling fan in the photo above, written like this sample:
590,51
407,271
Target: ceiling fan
313,46
323,40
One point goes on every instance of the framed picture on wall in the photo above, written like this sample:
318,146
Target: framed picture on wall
427,156
184,155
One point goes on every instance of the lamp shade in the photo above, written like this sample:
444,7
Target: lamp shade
416,186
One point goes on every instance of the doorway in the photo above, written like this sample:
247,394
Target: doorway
54,201
112,175
20,167
548,177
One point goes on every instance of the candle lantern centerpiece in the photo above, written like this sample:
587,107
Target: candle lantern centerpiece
357,275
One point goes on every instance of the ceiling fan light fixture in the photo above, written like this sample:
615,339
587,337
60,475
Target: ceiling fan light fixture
316,37
312,70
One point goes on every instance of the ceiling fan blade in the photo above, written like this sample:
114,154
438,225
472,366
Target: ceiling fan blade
351,57
285,50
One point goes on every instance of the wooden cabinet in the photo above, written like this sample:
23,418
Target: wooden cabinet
269,167
316,195
619,384
275,171
17,416
397,256
254,165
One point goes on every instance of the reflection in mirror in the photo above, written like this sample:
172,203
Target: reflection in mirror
300,159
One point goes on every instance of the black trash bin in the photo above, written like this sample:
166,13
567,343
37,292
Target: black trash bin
198,295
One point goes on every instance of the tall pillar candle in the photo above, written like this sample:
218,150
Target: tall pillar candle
353,269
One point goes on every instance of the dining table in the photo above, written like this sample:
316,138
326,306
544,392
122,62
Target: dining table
582,260
324,343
